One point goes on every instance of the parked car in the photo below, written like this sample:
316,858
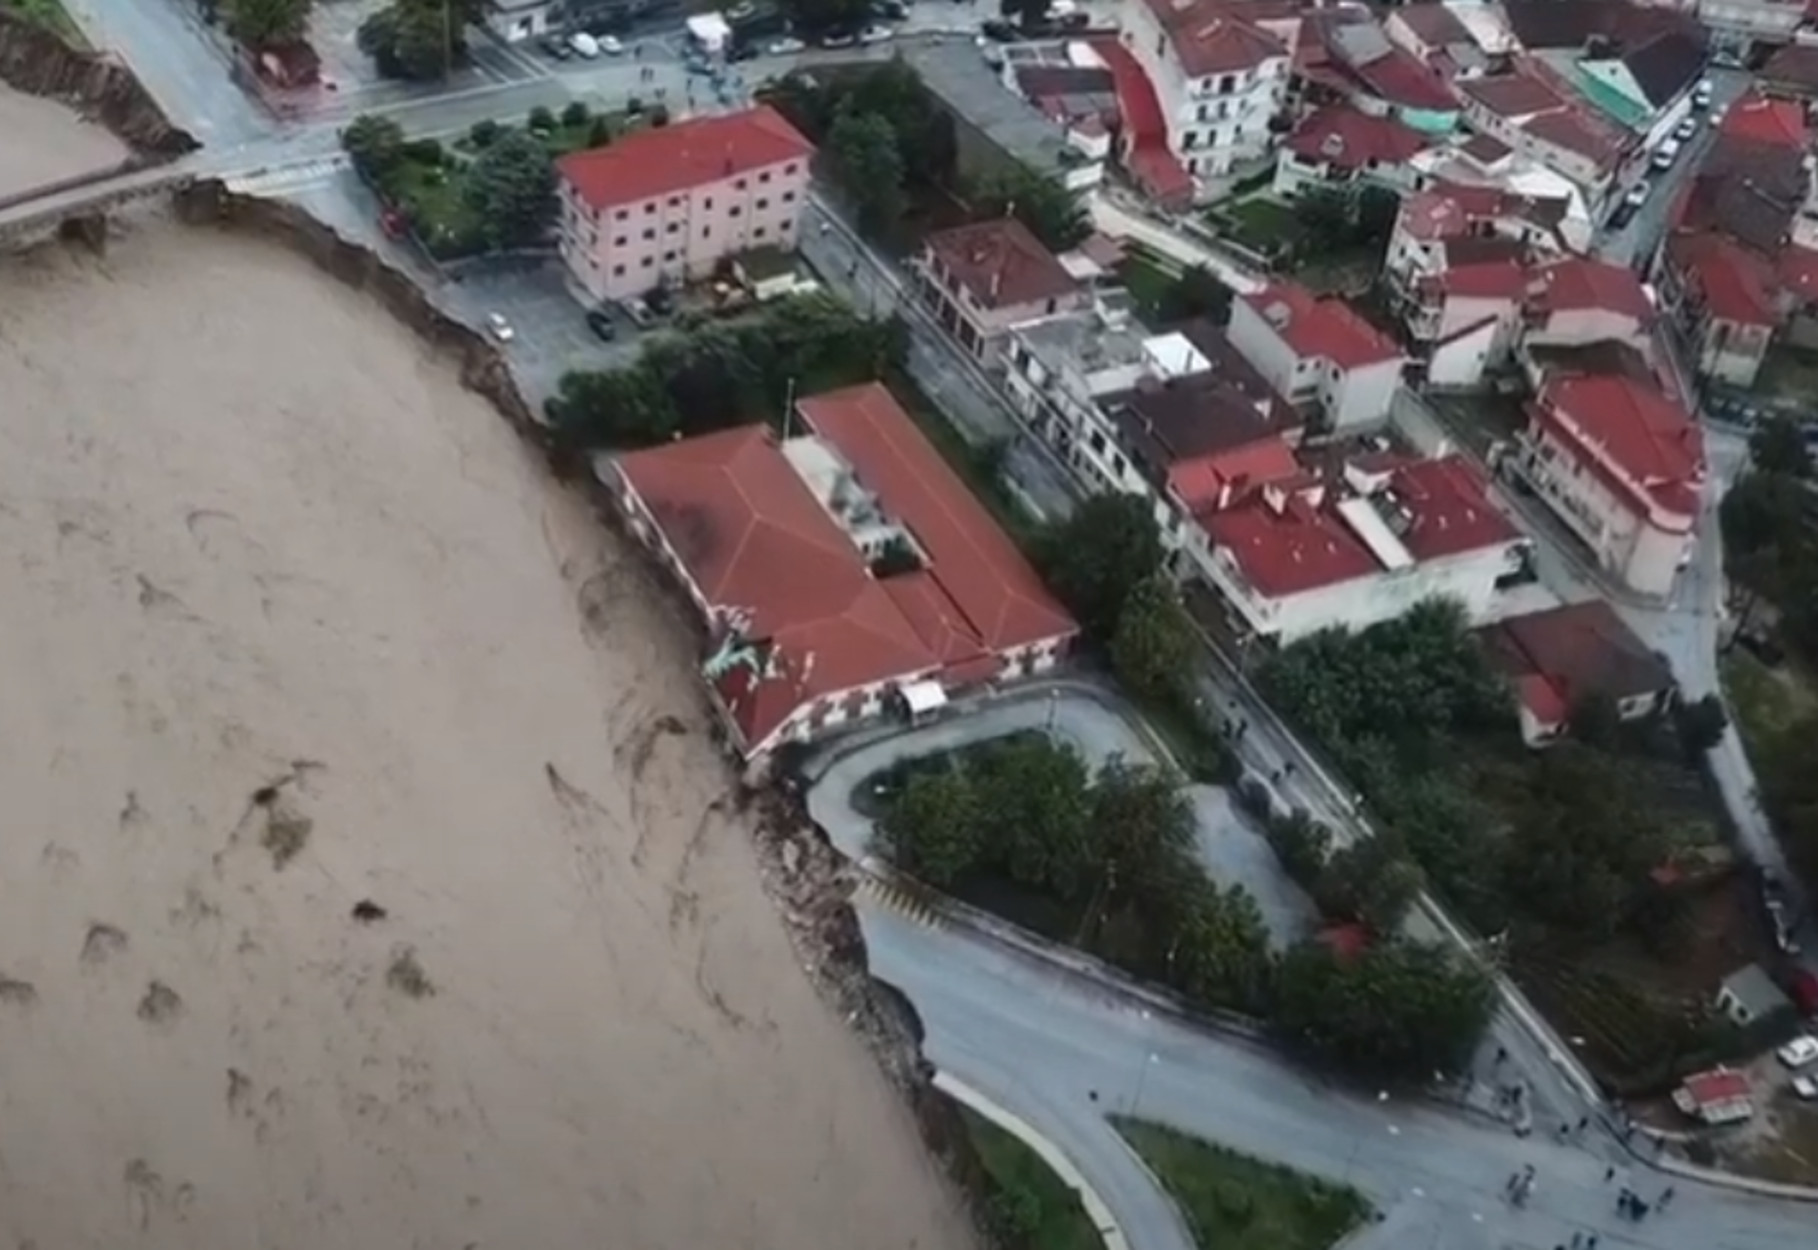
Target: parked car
999,30
610,45
876,34
1701,94
1686,129
1804,1087
640,313
784,47
1666,153
500,328
601,323
584,44
556,46
660,300
843,39
1798,1052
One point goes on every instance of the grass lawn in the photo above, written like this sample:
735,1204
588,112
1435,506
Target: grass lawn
1027,1194
432,194
1234,1202
49,14
1146,280
1258,223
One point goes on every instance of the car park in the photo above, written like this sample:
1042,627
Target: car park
1798,1052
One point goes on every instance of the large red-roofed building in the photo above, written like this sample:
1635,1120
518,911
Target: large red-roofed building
1317,351
666,204
1623,467
840,571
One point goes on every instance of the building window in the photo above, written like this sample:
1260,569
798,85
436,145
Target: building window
733,211
789,169
788,197
645,263
1225,84
650,208
620,241
622,214
707,203
618,271
762,205
669,256
706,232
758,233
650,234
672,227
739,185
675,201
764,177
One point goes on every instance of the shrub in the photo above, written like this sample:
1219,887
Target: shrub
424,151
659,115
601,133
576,115
484,132
541,120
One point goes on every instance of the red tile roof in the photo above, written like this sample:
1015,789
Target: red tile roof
1727,280
1613,422
1146,154
1327,329
1399,78
1512,95
1719,1085
1290,538
1202,481
753,537
1433,24
1340,135
1778,123
1210,36
1494,279
975,562
1001,263
1580,282
1576,130
1563,655
662,160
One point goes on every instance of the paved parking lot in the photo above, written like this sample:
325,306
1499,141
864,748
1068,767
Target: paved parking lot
551,335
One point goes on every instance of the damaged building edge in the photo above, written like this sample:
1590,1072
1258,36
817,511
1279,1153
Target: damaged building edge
39,62
805,874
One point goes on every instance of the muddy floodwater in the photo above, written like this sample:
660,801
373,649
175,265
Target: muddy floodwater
291,622
41,141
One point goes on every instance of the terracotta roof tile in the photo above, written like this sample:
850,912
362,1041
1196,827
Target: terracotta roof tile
1212,37
1657,447
1001,263
1581,282
1727,280
1754,118
662,160
1340,135
1315,328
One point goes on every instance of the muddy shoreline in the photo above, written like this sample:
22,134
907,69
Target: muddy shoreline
809,880
38,62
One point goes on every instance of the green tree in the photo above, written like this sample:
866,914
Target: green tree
932,828
1154,648
1701,723
1580,848
626,408
576,115
511,187
601,132
419,40
1098,555
1398,1012
1196,293
1374,216
1303,846
1142,828
1372,881
1219,951
1778,446
484,133
375,145
267,23
1034,801
1327,218
1053,213
863,158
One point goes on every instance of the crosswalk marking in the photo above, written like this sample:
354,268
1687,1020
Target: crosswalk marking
287,177
902,900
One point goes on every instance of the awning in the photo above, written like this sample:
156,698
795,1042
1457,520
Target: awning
924,697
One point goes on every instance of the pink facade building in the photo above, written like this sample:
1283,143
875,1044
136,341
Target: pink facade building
667,203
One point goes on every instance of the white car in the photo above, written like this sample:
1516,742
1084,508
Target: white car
1701,94
1804,1087
1666,153
610,45
784,47
1638,195
584,44
876,34
500,328
1686,129
1798,1052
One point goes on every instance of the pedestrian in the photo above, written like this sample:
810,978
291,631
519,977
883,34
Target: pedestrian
1584,1122
1609,1174
1666,1196
1502,1055
1590,1241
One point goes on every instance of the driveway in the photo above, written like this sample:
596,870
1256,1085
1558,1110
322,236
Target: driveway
1100,727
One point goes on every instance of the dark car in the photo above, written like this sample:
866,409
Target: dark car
1624,214
556,46
601,323
660,300
998,29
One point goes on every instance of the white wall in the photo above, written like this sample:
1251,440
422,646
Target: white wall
1462,361
1356,397
1646,556
1256,340
1578,326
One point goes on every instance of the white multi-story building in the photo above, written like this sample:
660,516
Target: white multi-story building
1623,467
1220,78
667,203
1317,352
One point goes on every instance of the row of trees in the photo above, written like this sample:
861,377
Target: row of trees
1771,538
725,374
887,142
1115,850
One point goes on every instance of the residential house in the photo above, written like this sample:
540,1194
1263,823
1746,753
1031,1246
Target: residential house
1353,543
1577,300
840,569
1437,37
1343,56
1478,160
1623,467
1725,300
1337,147
1529,111
1557,659
1468,315
1318,352
514,21
983,278
667,204
1749,996
1445,224
1219,78
1739,27
1791,73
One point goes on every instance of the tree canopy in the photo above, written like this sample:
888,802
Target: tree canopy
1096,557
418,39
1197,292
1154,649
512,191
864,159
262,24
1052,212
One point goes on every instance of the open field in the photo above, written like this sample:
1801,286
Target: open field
293,624
41,141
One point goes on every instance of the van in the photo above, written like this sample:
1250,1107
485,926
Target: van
584,44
